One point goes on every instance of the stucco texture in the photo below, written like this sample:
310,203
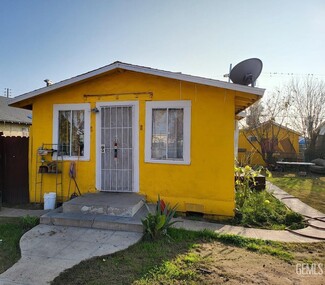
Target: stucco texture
205,185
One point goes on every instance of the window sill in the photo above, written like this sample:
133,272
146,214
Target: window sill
71,158
179,162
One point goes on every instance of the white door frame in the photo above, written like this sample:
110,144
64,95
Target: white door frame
135,142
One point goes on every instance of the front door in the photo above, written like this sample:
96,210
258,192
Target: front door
117,147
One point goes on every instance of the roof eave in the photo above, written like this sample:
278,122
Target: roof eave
146,70
16,122
195,79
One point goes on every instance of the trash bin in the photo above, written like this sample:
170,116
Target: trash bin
49,201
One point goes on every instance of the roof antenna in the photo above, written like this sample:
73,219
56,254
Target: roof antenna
48,82
227,74
7,92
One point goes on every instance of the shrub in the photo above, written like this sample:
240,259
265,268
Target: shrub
293,217
245,182
294,220
158,223
243,179
259,208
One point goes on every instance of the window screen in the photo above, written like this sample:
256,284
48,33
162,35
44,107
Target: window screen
71,132
167,133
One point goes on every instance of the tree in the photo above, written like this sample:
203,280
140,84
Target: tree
299,105
265,126
307,109
254,116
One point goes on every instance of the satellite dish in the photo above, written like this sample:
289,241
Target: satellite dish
246,72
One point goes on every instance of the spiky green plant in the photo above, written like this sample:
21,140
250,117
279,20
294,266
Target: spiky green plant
158,223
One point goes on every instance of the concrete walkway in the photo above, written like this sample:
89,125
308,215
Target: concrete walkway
314,218
292,202
313,233
48,250
13,212
281,236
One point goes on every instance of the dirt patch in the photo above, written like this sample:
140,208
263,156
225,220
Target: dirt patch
201,258
233,265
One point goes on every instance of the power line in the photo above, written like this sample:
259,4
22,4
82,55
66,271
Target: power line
276,73
284,74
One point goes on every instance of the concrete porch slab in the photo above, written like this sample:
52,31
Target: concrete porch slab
94,221
105,203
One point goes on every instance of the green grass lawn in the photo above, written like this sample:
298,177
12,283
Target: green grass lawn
11,230
10,233
193,258
310,189
185,258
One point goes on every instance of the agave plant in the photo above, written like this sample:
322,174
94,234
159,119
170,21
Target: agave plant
158,223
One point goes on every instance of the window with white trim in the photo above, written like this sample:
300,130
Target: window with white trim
168,132
71,130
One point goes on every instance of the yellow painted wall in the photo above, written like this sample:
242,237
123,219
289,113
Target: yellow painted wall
206,185
251,156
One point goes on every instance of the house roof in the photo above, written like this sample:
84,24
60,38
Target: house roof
13,115
242,102
273,123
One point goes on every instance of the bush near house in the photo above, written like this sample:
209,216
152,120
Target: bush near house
259,208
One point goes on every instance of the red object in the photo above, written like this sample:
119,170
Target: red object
162,205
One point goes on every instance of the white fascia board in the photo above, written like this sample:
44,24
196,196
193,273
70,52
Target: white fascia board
194,79
63,83
141,69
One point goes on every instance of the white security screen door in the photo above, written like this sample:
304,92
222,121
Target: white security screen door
116,148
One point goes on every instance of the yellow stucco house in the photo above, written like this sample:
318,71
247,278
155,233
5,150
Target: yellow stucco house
267,143
136,129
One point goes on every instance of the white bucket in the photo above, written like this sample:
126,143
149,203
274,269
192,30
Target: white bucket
49,201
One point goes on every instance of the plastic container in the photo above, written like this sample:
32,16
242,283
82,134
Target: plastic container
49,201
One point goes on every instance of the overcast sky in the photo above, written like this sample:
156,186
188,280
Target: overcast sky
58,39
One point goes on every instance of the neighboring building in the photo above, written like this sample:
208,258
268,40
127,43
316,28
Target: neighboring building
269,141
137,129
14,122
14,139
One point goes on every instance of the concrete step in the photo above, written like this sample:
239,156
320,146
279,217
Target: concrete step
108,222
104,203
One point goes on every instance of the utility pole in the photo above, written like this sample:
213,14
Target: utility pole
7,92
